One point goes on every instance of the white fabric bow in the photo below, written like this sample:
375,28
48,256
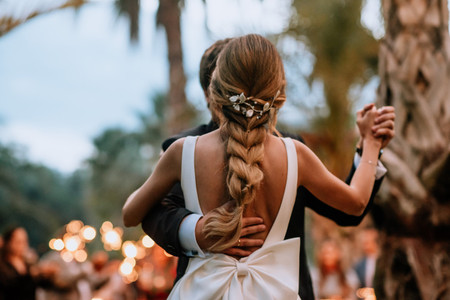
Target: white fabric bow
268,273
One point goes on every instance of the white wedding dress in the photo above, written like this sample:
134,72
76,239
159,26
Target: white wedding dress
271,272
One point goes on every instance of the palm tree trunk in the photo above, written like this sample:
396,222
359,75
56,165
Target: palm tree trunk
178,112
413,208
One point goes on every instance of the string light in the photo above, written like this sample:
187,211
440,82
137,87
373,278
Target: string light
147,241
80,255
74,226
88,233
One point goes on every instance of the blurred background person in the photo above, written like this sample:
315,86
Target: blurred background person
365,267
106,282
70,282
19,274
330,279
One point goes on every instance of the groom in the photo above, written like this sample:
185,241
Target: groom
178,230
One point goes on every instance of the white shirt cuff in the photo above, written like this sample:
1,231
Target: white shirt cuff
186,235
381,170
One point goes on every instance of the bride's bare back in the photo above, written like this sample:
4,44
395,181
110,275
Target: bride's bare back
210,174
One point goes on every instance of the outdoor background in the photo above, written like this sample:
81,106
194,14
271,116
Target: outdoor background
90,89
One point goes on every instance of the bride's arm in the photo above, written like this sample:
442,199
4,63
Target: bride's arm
331,190
166,174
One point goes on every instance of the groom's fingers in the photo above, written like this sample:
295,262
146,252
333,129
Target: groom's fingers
248,221
252,229
252,225
245,243
248,242
237,252
385,117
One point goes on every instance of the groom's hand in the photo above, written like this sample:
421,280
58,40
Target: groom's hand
250,225
384,124
245,245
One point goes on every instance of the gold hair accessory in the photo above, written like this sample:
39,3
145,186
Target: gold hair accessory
240,101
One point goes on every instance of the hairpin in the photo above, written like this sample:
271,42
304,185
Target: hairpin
240,101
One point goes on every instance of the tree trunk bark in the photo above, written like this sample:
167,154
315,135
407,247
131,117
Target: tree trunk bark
178,113
413,207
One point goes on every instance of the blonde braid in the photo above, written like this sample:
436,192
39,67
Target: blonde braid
249,64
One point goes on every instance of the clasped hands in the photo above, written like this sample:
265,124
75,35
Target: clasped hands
370,120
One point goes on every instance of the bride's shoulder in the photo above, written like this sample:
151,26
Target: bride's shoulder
175,150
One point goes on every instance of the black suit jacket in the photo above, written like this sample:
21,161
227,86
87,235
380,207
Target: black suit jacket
163,222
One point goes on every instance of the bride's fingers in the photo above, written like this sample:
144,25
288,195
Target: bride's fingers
368,107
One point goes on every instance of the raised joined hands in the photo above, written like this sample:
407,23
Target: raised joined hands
381,127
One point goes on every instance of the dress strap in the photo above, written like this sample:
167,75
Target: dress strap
188,183
279,227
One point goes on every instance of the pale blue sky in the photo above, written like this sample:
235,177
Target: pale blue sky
66,76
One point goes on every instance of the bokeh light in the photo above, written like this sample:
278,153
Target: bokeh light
88,233
106,226
67,256
72,243
74,226
80,255
147,241
129,249
113,239
58,244
126,268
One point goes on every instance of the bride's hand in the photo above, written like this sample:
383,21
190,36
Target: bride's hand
365,119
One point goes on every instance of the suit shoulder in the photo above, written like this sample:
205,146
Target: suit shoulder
292,136
199,130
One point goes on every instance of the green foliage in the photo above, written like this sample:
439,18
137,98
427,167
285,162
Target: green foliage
31,193
122,161
345,56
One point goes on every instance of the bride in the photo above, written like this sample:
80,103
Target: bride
242,169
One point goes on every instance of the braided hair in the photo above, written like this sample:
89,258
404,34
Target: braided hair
250,69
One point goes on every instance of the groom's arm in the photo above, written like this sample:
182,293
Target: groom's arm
163,221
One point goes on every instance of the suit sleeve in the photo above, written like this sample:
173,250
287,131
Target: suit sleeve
163,221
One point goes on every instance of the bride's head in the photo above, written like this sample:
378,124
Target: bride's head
250,66
247,89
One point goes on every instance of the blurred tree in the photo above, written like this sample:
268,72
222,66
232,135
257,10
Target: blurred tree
130,9
30,193
413,209
123,160
345,56
7,23
180,113
116,169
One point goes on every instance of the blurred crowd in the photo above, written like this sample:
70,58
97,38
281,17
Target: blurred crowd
333,278
23,275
